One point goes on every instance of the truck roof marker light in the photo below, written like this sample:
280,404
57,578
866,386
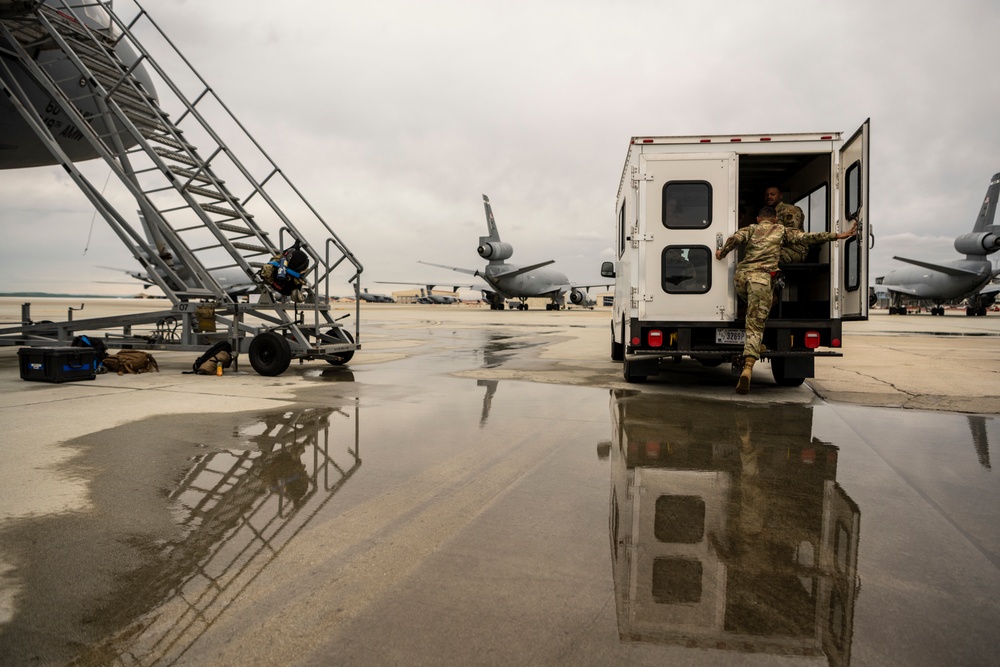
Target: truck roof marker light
827,137
812,339
835,342
735,140
647,141
764,139
655,338
706,141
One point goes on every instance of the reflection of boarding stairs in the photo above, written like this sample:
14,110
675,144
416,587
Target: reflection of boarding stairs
237,510
207,220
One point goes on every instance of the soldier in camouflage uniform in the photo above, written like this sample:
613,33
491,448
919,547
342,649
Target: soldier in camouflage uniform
764,242
790,216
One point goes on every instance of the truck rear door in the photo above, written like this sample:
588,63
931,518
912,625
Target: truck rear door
853,279
687,201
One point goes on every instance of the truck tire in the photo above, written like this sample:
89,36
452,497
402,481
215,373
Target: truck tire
270,354
780,378
629,374
617,348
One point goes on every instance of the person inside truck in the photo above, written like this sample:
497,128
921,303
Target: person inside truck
673,215
790,216
764,241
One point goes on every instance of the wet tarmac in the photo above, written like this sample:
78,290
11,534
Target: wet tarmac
483,491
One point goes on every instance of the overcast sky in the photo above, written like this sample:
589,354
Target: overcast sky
393,118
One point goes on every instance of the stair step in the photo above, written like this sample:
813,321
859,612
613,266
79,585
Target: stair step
187,173
253,248
236,229
172,155
228,212
167,140
205,192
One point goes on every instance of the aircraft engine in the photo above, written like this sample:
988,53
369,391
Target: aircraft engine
495,250
981,243
580,298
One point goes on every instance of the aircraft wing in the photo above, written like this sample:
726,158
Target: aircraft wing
471,272
947,270
425,283
523,269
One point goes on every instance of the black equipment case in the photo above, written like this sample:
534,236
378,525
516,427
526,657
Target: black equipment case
57,364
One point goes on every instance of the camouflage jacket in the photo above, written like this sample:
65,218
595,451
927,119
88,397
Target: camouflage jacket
763,241
789,215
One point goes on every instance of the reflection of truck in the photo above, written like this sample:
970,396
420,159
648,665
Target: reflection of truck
680,197
728,528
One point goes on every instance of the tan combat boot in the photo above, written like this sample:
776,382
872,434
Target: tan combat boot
743,384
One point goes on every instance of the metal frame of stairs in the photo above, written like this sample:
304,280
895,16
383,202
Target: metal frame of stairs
196,214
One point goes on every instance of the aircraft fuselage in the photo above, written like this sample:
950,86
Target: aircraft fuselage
19,145
540,282
924,283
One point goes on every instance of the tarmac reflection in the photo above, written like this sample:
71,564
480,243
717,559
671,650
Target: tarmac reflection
238,510
728,528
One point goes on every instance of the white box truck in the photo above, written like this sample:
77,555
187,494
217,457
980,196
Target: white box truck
680,198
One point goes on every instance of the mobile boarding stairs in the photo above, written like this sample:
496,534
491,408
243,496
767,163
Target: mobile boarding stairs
190,211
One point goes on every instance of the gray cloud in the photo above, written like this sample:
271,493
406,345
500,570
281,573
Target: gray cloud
394,118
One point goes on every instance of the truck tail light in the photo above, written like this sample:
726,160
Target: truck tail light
812,339
655,338
835,342
635,341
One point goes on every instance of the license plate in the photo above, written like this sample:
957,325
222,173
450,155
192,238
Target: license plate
730,336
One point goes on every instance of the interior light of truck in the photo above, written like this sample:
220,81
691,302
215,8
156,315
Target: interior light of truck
812,339
655,338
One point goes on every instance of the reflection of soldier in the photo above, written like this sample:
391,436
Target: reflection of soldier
764,241
790,216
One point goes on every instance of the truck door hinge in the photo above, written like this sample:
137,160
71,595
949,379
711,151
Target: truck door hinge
636,177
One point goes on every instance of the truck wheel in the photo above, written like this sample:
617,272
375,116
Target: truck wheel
629,374
617,349
780,379
270,354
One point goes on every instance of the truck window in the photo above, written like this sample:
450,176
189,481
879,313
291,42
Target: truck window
621,230
853,194
815,206
687,205
852,270
685,269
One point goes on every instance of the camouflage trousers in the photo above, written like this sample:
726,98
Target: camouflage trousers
754,287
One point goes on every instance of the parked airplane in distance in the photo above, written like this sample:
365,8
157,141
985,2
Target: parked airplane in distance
966,279
375,298
507,281
427,294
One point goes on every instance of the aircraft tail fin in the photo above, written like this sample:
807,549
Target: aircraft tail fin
491,223
989,210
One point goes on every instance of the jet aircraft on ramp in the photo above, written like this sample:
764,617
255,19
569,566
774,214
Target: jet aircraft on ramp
966,279
507,281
